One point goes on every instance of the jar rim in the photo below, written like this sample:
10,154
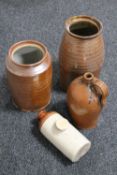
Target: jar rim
25,43
91,19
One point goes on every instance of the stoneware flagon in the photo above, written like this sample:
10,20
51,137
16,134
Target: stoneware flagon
63,135
29,74
81,49
86,97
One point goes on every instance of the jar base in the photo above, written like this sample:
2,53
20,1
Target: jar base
86,128
29,110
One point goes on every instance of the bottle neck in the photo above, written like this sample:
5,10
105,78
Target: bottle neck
88,77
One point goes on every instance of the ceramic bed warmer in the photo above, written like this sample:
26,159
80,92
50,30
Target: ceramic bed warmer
63,135
29,74
86,96
81,49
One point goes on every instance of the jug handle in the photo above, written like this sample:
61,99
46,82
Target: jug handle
101,89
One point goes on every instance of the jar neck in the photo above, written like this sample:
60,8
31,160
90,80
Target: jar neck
28,53
83,27
88,78
27,70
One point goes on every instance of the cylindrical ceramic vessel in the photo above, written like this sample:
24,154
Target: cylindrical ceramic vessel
86,97
29,74
81,49
63,135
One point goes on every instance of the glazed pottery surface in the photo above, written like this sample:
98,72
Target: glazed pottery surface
29,73
86,97
81,49
63,135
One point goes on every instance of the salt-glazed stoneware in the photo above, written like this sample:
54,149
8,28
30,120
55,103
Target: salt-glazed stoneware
63,135
81,49
29,73
86,96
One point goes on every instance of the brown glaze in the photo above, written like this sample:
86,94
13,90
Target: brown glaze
29,73
43,116
86,97
81,49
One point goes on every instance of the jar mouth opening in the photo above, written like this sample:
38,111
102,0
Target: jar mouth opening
88,76
27,53
83,26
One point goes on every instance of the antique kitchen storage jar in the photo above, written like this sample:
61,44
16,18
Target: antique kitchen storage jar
81,49
86,96
29,74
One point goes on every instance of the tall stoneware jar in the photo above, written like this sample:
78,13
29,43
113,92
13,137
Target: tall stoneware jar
86,97
81,49
29,74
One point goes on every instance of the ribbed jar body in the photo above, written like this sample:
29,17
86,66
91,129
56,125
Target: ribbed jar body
29,83
80,52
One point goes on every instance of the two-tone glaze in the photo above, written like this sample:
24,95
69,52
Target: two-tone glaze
86,96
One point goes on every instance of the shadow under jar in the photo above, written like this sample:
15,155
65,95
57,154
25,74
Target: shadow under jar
81,49
29,74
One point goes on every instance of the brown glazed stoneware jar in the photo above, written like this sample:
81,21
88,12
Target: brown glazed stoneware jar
86,97
81,49
29,73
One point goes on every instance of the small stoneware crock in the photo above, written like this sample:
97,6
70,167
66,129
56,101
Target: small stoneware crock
86,96
29,74
81,49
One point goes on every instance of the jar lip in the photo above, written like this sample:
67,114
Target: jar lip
74,19
88,76
25,43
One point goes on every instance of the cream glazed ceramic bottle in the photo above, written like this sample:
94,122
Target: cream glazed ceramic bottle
63,135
